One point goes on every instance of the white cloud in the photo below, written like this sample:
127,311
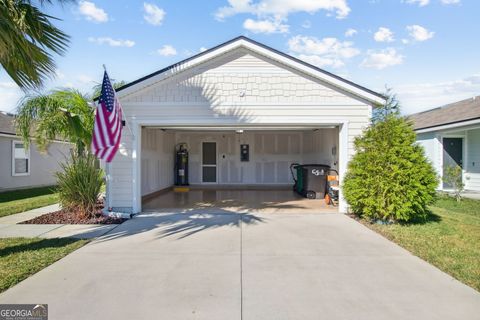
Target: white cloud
326,52
265,26
350,32
421,3
84,79
202,49
417,97
91,12
167,50
383,35
450,1
60,75
382,59
280,9
10,94
112,42
419,33
153,14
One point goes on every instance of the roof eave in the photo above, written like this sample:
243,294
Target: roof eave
449,125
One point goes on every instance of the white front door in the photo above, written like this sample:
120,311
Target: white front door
209,162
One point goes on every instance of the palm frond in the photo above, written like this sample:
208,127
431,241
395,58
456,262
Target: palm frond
60,114
27,40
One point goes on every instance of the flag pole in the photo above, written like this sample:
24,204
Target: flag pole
108,164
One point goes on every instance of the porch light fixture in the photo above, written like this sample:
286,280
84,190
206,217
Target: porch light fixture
238,131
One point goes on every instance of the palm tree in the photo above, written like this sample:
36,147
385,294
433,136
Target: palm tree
27,40
60,114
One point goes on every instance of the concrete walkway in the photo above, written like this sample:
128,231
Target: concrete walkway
9,226
224,265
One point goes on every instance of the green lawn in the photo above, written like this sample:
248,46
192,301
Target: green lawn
450,239
22,200
21,257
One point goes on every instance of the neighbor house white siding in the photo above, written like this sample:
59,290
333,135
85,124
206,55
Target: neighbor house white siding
472,179
239,88
432,143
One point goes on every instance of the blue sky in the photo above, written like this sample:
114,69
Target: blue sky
426,50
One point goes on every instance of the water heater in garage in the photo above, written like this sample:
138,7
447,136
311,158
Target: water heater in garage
181,165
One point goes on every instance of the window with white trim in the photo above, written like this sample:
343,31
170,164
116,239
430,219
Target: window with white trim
20,159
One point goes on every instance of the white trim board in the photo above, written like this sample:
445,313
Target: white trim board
27,157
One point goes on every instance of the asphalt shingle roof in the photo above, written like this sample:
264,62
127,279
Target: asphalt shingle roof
464,110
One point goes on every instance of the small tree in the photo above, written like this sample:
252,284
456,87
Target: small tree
65,114
391,107
389,177
59,114
453,176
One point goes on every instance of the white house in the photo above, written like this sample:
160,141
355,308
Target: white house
450,135
240,92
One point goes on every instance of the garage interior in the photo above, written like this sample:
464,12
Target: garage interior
220,176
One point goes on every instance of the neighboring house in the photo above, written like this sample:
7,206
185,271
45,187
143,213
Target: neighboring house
451,136
238,93
22,167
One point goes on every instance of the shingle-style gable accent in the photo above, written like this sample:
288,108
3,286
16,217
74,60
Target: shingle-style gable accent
243,43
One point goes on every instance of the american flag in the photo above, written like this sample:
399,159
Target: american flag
107,130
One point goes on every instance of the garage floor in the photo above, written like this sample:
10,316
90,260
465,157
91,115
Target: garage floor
258,200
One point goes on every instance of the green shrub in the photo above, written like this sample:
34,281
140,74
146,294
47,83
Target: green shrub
453,176
79,184
389,177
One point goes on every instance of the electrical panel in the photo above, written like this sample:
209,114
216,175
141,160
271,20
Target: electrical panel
244,152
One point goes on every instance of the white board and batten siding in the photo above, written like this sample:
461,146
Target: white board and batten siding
271,153
472,179
240,88
432,143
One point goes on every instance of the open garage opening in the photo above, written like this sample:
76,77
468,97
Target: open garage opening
238,168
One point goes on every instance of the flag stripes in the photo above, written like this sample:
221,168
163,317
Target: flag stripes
107,129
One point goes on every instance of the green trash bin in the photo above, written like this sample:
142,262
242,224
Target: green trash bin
310,179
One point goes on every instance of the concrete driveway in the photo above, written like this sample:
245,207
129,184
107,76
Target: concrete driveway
225,265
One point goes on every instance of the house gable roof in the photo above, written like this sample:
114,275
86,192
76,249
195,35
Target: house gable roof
242,41
456,112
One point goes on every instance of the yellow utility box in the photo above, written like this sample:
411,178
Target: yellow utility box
181,189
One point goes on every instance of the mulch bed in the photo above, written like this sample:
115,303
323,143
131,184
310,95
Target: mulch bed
72,217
